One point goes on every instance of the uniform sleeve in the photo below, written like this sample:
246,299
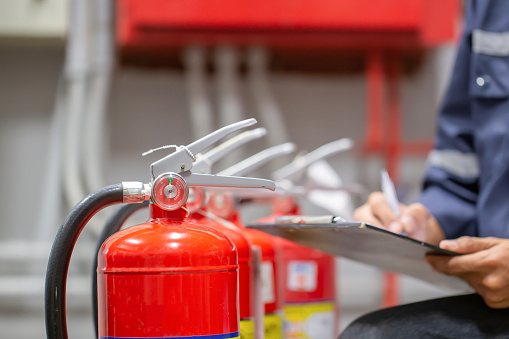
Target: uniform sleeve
451,183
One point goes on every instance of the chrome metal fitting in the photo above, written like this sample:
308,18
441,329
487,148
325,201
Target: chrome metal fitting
135,192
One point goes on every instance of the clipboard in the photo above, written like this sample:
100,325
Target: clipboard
365,243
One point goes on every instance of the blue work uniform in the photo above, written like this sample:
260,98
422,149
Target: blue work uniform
467,182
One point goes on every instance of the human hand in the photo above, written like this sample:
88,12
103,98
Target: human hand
484,265
414,219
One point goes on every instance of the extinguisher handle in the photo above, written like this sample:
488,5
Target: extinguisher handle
209,180
302,162
205,161
286,187
259,159
183,158
248,193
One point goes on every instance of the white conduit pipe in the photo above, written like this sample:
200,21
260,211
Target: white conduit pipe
270,115
76,70
94,140
49,211
227,83
200,108
99,90
74,188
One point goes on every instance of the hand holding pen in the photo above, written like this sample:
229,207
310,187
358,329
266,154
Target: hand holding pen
383,209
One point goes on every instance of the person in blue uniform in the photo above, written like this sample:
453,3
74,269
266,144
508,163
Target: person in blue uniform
464,206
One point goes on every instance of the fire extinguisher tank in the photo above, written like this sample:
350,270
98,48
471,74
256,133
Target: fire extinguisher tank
245,266
169,277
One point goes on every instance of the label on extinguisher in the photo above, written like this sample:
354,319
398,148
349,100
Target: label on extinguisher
234,335
273,326
267,277
309,321
302,276
247,329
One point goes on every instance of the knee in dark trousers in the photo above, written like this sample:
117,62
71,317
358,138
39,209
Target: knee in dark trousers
465,316
376,325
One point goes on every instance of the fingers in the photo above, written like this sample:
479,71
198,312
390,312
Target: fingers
504,303
377,211
481,261
494,296
457,266
365,214
466,245
492,285
484,265
414,217
381,210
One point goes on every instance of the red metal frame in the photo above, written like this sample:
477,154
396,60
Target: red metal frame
375,76
383,131
155,25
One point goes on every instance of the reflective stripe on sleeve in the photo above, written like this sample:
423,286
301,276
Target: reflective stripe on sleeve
490,43
464,165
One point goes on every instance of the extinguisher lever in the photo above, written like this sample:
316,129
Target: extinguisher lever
208,140
259,159
209,180
183,158
302,162
205,161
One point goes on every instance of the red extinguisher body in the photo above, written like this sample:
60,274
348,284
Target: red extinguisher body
309,292
223,206
168,278
246,272
309,283
270,271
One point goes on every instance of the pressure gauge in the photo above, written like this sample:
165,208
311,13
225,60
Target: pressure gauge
170,191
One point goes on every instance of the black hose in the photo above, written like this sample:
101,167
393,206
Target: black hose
60,256
112,226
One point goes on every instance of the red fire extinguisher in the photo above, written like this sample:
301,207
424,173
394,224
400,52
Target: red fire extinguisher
167,278
247,255
246,259
270,294
309,276
224,206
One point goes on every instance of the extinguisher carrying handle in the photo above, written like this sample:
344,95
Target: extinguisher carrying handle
205,161
183,159
259,159
302,162
210,180
113,225
61,252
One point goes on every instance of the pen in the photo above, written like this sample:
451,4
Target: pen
389,191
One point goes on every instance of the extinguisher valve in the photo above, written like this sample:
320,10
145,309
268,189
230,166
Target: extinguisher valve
135,192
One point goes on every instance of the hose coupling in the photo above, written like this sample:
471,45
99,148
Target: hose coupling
135,192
